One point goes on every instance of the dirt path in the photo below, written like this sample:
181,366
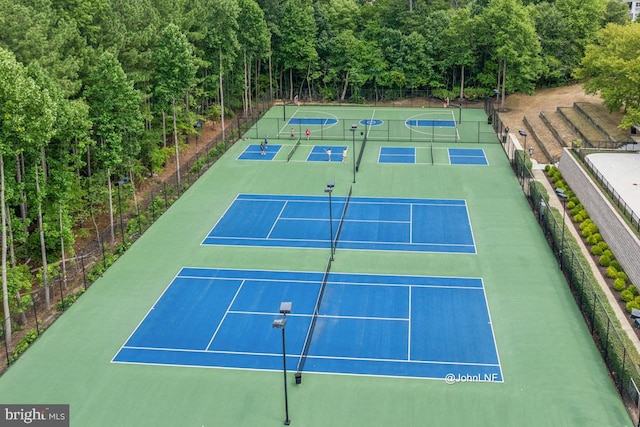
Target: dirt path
548,100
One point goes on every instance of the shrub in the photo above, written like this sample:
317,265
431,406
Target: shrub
633,289
594,239
622,275
607,252
596,250
626,296
612,272
616,264
24,344
632,304
605,260
570,205
619,285
585,223
589,230
605,247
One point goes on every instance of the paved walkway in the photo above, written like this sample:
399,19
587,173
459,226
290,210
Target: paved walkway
622,315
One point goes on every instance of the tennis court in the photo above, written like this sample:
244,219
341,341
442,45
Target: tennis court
365,223
443,303
409,155
208,309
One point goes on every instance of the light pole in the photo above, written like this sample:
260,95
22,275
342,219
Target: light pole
120,184
524,133
285,308
329,190
354,127
563,197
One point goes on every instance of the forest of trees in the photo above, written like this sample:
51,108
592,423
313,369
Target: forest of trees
95,90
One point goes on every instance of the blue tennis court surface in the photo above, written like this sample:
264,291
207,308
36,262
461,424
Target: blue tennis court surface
397,155
431,123
252,152
326,153
401,326
467,156
316,121
370,223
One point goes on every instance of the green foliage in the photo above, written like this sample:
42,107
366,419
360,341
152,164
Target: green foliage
619,284
612,273
23,345
626,296
604,260
586,223
68,300
613,53
633,289
594,239
596,250
616,265
631,305
622,275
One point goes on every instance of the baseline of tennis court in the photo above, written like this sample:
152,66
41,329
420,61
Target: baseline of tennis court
370,223
407,326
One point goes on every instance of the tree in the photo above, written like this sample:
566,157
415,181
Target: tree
458,36
509,36
222,42
26,120
254,40
294,45
114,110
611,67
174,75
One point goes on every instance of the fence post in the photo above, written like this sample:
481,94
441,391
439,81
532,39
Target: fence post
35,314
593,312
84,274
61,294
6,348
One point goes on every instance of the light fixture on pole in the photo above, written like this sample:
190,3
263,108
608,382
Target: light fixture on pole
119,184
354,127
329,190
524,133
280,323
563,197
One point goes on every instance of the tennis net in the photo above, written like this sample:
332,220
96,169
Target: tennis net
432,159
344,213
314,318
364,143
293,149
